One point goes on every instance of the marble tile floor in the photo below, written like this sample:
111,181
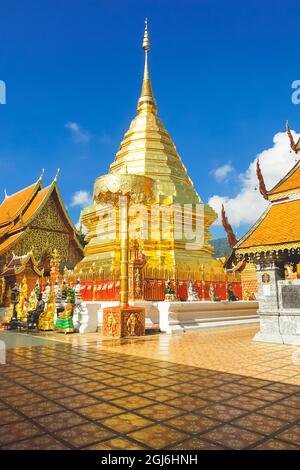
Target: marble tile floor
207,389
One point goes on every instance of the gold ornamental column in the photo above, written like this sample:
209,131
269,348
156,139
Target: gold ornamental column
123,211
120,190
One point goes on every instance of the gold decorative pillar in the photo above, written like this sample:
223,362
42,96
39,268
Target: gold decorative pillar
120,190
123,211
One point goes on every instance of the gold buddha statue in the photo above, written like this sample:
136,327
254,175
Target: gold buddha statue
21,306
2,289
32,302
46,320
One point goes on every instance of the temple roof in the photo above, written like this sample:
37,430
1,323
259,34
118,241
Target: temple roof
19,210
277,229
287,185
18,264
12,205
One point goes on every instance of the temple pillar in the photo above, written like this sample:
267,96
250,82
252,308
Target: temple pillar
268,276
123,206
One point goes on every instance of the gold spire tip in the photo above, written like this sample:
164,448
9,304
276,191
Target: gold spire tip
42,174
146,41
56,176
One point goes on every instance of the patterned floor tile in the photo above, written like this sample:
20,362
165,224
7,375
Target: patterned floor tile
117,381
293,400
16,431
138,387
77,401
57,421
40,409
162,394
160,412
252,382
12,389
232,437
118,443
60,392
126,422
286,413
275,444
100,410
236,389
188,403
209,382
37,443
109,393
284,388
260,423
45,385
222,412
132,402
158,436
267,395
196,444
88,387
8,416
214,395
246,403
99,376
186,388
162,381
192,423
291,435
84,435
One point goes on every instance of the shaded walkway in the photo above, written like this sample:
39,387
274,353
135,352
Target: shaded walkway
95,396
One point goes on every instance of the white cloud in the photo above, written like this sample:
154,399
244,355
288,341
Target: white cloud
248,204
81,198
221,173
78,133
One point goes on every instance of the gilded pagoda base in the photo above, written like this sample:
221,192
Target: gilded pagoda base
119,322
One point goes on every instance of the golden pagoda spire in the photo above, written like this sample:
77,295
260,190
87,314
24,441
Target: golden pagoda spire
146,102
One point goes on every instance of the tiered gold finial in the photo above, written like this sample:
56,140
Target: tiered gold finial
146,102
146,41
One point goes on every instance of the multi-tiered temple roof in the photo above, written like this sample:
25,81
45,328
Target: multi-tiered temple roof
278,228
35,219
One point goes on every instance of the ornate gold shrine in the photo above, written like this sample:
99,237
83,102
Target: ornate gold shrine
148,150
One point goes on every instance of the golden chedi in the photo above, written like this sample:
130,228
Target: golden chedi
148,150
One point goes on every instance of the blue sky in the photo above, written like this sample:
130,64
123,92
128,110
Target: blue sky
221,73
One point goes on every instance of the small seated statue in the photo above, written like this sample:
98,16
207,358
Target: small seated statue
32,301
169,292
212,294
33,315
46,319
249,295
192,293
231,295
64,321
